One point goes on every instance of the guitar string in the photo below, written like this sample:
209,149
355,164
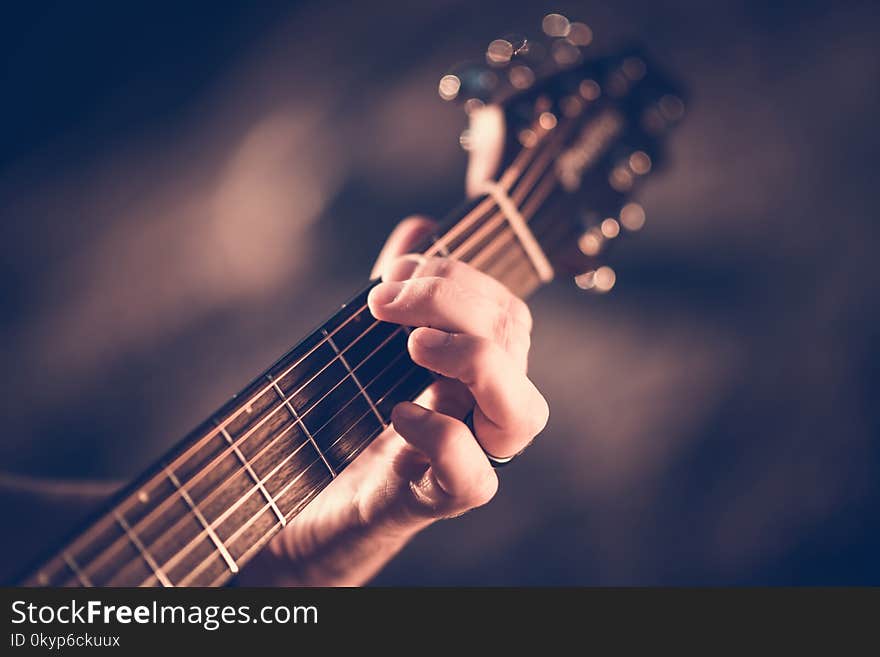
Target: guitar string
458,228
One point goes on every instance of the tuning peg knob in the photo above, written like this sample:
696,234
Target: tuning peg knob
556,25
594,240
599,280
663,114
568,38
501,51
469,82
632,217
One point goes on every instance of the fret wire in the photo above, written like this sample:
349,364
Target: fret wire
233,507
302,425
74,566
458,226
198,514
356,380
277,526
219,520
253,475
136,541
235,534
363,446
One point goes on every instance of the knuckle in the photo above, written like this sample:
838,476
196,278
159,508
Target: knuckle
521,311
448,431
484,488
483,355
513,326
518,310
477,358
504,328
540,416
443,267
438,293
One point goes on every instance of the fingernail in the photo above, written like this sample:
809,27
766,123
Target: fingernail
410,411
385,293
432,338
403,267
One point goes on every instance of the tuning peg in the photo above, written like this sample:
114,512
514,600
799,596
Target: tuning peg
628,168
595,239
501,51
556,25
472,84
662,115
599,280
568,38
632,217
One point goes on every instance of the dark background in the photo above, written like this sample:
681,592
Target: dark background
185,190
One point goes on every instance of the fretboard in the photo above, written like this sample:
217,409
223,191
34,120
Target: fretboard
208,507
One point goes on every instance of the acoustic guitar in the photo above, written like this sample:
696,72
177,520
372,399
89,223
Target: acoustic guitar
580,132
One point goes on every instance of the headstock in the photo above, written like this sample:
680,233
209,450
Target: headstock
580,133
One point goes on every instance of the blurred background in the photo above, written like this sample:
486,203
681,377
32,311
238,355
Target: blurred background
186,190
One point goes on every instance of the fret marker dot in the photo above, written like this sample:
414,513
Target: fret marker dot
143,497
640,163
42,578
590,244
528,138
610,228
547,120
521,77
604,279
632,216
590,89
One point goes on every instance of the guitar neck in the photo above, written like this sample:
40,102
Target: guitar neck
209,506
